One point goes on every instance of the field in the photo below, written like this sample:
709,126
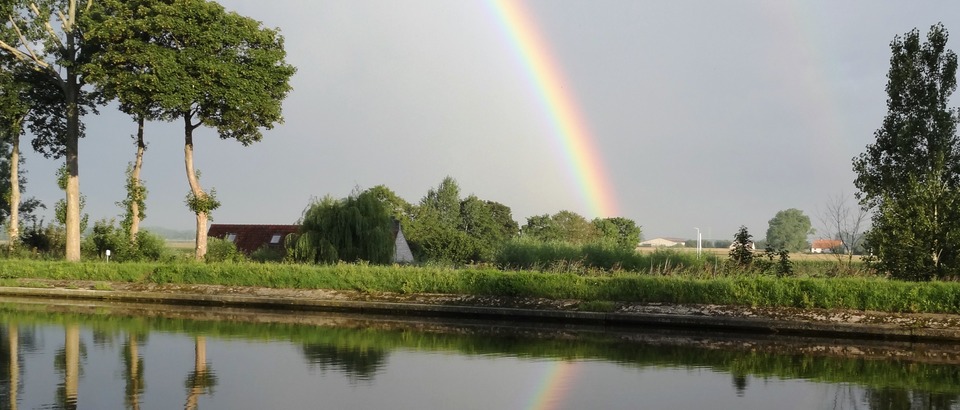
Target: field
817,257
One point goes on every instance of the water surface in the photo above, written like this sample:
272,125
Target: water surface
63,354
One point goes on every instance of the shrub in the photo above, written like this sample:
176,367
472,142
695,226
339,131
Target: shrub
106,236
220,250
49,240
268,254
150,247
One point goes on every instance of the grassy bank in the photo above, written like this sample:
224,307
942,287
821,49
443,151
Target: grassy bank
863,293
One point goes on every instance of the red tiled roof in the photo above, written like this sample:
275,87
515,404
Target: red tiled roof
249,238
826,243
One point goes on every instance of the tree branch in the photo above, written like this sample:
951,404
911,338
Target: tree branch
53,34
26,44
19,55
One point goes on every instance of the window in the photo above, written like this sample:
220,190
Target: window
275,239
232,237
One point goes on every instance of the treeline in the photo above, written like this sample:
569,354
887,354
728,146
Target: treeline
443,227
188,61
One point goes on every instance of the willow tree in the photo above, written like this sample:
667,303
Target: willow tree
44,36
213,68
356,228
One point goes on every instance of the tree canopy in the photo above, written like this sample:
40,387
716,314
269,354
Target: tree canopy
194,61
356,228
45,39
910,175
788,230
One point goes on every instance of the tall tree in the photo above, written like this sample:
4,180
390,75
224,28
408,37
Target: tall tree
488,224
123,68
214,68
623,232
44,35
14,108
400,209
788,230
564,226
435,232
910,176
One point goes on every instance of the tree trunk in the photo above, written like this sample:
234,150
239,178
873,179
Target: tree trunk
135,177
71,90
13,230
195,189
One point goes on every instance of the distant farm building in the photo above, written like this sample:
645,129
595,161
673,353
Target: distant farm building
663,242
250,238
752,246
825,245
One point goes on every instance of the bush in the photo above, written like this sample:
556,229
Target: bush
221,250
106,236
50,240
150,247
268,254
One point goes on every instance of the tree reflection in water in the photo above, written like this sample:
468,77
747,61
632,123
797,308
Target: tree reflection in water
882,376
133,370
360,363
898,399
67,362
202,379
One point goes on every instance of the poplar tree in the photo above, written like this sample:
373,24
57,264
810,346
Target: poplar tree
910,176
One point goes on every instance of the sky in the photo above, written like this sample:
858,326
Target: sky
678,115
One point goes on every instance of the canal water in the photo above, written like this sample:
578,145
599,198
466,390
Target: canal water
94,355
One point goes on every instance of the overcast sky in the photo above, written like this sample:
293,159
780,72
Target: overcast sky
709,114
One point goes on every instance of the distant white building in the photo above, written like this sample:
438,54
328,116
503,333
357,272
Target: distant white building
825,245
663,242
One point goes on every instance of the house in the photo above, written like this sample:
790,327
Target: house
825,245
401,249
663,242
249,238
751,245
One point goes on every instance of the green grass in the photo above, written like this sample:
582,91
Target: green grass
863,293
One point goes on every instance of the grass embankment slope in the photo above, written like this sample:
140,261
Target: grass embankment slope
861,293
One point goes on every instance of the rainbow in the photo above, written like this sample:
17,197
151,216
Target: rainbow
549,395
571,131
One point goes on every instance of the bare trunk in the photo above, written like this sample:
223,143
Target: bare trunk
13,230
135,176
195,189
71,90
